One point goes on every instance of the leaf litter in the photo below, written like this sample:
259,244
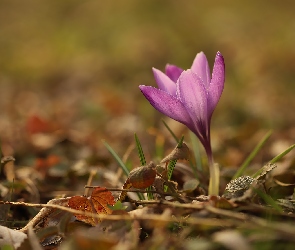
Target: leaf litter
52,162
108,220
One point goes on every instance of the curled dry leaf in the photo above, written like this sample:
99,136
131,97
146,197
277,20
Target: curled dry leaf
159,184
221,202
97,203
140,177
127,185
143,177
178,153
264,170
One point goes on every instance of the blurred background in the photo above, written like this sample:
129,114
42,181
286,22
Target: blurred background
77,65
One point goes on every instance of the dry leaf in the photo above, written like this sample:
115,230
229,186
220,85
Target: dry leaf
143,177
35,124
263,171
221,202
140,177
97,203
178,153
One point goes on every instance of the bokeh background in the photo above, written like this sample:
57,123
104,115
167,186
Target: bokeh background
79,63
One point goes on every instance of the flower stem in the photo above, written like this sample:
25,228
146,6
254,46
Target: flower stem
214,173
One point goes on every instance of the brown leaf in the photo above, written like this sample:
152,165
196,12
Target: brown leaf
127,185
97,203
35,124
178,153
221,202
264,170
143,177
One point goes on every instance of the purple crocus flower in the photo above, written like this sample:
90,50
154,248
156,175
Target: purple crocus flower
190,97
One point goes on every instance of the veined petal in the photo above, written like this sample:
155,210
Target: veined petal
173,72
164,82
192,93
201,68
166,104
217,83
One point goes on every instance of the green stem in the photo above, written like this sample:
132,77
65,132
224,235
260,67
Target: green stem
214,173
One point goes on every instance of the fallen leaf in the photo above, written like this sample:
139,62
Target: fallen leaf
178,153
264,170
36,124
221,202
143,177
127,185
97,203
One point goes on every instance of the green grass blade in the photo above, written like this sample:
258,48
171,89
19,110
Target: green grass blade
140,151
150,196
121,164
179,144
252,155
171,132
172,164
141,196
171,167
118,159
281,155
143,162
196,152
268,200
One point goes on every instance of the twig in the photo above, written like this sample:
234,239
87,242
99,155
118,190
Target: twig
46,210
287,230
134,190
90,178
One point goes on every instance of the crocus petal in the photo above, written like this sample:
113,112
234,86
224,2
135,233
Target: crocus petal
164,82
201,67
217,83
173,72
166,104
193,94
